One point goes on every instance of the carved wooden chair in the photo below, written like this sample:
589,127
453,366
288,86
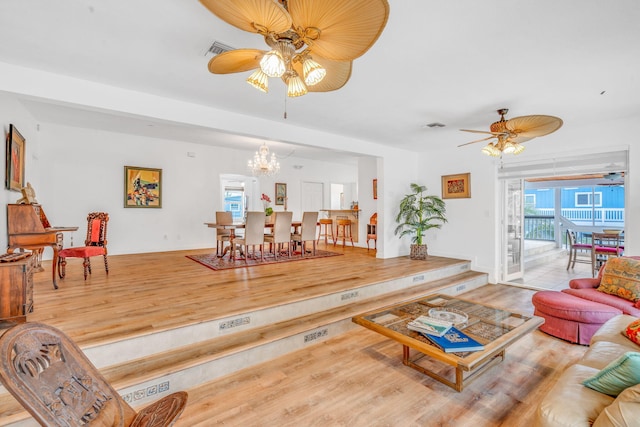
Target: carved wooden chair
372,231
94,245
52,378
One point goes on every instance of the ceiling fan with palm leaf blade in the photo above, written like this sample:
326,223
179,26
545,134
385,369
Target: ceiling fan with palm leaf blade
312,43
510,134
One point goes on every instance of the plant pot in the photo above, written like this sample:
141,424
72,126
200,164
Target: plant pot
418,252
268,219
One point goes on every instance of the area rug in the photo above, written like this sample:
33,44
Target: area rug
215,263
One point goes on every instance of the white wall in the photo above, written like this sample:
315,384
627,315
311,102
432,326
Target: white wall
473,230
75,171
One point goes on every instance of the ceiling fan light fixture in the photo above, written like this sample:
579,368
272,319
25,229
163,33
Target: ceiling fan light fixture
519,148
295,85
509,147
313,72
272,64
490,150
259,80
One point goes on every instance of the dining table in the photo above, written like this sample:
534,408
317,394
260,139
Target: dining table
295,226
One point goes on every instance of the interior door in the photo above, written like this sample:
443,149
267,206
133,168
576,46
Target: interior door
312,196
512,232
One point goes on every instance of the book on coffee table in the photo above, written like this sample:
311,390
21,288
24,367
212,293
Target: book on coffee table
429,325
455,341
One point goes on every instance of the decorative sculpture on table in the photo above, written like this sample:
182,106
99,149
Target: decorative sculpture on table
28,195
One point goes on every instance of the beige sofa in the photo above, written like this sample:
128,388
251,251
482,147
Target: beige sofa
570,403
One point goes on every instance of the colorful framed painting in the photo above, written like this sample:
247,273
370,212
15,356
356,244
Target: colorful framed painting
375,189
15,155
281,193
456,186
142,187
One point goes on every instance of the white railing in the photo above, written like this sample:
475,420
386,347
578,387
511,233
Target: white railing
597,215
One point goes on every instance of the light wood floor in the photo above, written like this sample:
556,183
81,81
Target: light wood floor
147,293
356,379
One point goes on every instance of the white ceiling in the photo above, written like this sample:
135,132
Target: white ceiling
453,62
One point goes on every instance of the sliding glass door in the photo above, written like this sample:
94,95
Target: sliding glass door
512,229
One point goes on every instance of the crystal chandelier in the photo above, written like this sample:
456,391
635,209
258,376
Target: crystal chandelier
261,164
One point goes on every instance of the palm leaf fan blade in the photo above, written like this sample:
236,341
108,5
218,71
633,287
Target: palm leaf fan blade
533,126
347,29
244,14
235,61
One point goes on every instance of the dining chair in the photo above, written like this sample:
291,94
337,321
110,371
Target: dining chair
281,233
95,244
604,246
222,236
307,232
574,247
253,235
372,231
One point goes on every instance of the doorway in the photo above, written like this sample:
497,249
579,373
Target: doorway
542,198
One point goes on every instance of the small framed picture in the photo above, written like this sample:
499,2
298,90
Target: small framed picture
456,186
15,155
142,187
281,193
375,189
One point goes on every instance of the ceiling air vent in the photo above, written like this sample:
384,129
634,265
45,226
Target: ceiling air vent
217,48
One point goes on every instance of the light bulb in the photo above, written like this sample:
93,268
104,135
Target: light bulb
259,80
313,72
295,86
272,64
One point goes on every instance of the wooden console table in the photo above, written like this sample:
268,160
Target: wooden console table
16,289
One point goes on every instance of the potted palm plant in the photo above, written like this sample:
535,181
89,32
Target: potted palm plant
418,213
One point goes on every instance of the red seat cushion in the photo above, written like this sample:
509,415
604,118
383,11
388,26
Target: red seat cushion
564,306
82,252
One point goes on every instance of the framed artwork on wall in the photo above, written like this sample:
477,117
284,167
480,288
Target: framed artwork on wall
142,187
375,189
281,193
456,186
15,155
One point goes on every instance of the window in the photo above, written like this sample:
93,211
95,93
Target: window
529,200
588,199
234,201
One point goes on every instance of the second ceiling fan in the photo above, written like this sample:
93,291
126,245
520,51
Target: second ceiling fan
510,134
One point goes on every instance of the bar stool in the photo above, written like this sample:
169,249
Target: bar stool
328,230
345,225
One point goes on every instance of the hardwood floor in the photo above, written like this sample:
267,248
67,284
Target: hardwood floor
358,379
147,293
354,379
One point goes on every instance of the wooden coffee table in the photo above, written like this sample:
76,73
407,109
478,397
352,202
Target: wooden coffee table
495,328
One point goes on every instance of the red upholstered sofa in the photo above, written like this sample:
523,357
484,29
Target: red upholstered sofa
587,289
575,314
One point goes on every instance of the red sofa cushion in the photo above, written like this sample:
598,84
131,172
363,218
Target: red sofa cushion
569,307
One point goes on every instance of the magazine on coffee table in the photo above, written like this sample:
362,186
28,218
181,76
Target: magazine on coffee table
455,341
429,325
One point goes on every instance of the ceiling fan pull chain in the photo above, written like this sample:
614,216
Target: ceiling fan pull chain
285,106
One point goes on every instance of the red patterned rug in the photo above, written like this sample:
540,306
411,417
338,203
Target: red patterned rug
215,263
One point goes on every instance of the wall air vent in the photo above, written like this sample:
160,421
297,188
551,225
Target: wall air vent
217,48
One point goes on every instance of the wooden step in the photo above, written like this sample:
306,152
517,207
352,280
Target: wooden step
169,368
